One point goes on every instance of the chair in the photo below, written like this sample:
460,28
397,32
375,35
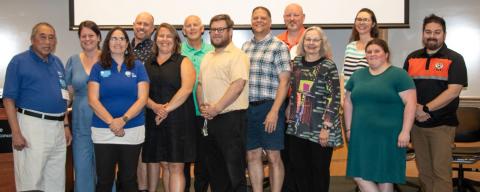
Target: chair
468,131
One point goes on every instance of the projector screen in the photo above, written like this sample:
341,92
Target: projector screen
327,13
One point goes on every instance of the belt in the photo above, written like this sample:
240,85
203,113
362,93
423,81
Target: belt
261,102
40,115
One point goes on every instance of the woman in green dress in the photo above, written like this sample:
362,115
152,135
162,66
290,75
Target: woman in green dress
379,112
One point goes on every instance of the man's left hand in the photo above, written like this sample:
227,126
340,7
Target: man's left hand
68,136
271,121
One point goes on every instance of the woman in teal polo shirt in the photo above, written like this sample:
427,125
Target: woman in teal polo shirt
117,92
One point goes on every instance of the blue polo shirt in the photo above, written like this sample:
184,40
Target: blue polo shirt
118,91
35,83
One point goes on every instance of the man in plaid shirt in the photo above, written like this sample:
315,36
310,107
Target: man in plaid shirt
268,86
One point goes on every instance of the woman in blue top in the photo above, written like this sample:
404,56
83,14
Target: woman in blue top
380,104
77,70
117,92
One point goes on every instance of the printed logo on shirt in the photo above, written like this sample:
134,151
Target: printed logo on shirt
105,73
130,74
438,66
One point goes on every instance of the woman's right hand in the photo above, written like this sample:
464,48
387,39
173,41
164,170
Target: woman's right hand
117,127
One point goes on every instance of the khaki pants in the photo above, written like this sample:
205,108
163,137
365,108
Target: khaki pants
41,165
433,150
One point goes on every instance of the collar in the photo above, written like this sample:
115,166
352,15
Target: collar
267,38
38,58
284,37
439,53
190,48
143,43
228,48
172,57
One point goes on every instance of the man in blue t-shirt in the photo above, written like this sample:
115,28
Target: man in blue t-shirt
35,100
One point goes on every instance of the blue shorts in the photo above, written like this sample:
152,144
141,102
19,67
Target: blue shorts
257,137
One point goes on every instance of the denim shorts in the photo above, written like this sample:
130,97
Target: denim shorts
257,137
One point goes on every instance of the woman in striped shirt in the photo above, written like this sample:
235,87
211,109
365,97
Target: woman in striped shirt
365,29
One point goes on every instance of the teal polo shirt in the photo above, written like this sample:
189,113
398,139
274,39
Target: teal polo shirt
196,56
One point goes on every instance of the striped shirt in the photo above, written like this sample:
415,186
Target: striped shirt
354,60
268,58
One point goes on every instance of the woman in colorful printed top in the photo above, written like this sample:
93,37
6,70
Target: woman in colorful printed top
314,121
117,92
380,104
77,71
365,29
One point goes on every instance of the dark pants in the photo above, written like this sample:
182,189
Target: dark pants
311,165
200,169
226,153
288,180
107,156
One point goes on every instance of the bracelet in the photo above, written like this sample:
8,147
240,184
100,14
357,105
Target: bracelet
66,125
347,130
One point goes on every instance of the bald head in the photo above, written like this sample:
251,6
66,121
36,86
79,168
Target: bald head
293,17
193,28
143,26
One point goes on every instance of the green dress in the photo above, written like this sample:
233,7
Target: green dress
377,120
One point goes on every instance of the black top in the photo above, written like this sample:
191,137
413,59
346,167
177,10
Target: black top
432,74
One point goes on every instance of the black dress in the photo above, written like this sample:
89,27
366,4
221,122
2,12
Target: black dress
174,139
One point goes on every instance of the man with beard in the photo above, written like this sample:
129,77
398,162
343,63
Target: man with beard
439,74
293,17
142,48
222,94
35,98
268,86
195,49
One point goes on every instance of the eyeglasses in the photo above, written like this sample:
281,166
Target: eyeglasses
359,19
117,39
315,40
218,30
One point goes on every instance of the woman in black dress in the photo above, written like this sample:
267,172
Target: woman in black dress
170,134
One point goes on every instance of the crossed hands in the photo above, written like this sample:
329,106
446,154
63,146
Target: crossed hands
420,115
117,127
209,111
161,112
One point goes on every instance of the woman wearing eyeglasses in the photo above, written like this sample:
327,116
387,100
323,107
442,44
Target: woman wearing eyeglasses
170,119
117,92
365,28
314,121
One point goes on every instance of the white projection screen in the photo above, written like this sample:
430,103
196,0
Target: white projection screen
327,13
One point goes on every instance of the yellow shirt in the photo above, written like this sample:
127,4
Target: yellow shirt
218,70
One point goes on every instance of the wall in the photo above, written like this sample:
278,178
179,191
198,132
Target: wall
463,32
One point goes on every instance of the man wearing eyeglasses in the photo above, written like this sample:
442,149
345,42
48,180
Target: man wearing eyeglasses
222,94
35,98
293,17
195,49
268,86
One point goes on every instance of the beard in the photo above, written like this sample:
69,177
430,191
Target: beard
221,44
432,44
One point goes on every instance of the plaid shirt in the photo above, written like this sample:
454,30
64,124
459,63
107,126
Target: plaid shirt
268,58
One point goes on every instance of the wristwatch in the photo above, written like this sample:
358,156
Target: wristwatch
426,109
125,118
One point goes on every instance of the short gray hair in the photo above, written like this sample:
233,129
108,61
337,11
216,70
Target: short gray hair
38,25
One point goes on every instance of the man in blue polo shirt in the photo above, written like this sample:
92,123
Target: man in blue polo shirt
35,100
